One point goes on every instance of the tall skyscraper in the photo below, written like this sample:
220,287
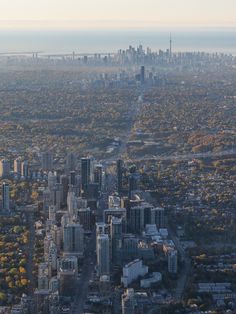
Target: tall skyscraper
128,302
73,239
116,238
25,169
64,181
170,51
85,173
71,161
17,167
98,172
172,261
47,161
4,168
119,169
158,217
133,183
142,74
137,223
5,196
52,180
103,254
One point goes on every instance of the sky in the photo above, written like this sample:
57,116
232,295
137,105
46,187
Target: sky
109,14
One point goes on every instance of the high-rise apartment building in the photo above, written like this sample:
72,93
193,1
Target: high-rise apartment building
73,239
5,196
103,254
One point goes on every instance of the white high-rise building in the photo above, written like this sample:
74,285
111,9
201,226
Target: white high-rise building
17,167
25,169
71,203
103,254
132,271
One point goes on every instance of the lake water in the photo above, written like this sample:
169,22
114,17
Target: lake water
66,41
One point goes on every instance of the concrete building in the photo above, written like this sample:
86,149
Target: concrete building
17,167
43,276
85,169
85,218
114,212
172,261
67,275
132,271
71,162
52,180
158,217
25,169
103,254
47,161
5,196
4,168
116,238
128,302
153,278
71,203
137,224
73,239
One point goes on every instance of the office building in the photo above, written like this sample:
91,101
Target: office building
17,167
114,201
129,247
5,196
133,183
71,162
4,168
128,302
172,261
46,199
114,212
98,176
103,254
52,180
73,239
25,169
47,161
116,238
67,275
71,203
132,271
64,181
43,276
120,170
85,218
142,75
136,224
158,217
85,173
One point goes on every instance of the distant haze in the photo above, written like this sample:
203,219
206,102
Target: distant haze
116,13
64,41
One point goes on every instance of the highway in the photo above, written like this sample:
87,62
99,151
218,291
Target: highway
187,156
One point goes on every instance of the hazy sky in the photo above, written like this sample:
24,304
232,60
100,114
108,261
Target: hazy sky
116,13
